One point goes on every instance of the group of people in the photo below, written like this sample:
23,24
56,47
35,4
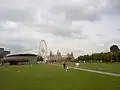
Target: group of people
76,65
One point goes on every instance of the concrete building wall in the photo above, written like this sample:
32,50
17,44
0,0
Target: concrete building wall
32,59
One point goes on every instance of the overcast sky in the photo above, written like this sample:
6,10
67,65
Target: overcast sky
78,26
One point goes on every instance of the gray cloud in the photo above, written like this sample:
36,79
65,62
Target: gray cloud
15,15
14,48
113,6
74,13
16,40
100,35
18,45
88,10
61,30
118,30
27,18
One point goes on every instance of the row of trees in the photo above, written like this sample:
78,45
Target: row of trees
101,57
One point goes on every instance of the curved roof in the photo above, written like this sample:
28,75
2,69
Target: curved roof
21,55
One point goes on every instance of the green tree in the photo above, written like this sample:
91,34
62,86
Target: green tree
118,56
102,56
113,56
39,58
105,57
96,57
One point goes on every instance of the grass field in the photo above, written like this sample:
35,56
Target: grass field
114,68
49,77
106,67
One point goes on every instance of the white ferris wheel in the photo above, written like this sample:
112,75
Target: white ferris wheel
43,50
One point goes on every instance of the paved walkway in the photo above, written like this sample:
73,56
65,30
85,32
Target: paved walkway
100,72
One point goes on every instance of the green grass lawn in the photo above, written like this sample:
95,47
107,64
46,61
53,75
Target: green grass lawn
49,77
106,67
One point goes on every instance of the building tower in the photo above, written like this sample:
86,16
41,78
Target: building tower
72,56
58,55
51,55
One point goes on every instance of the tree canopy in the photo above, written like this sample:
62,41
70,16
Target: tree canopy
112,56
39,58
98,57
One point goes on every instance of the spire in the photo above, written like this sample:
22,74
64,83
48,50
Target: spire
57,52
51,53
71,53
60,53
68,54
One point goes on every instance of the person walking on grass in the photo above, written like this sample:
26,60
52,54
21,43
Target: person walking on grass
64,65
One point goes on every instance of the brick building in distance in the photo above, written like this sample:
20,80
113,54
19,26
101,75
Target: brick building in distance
59,57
